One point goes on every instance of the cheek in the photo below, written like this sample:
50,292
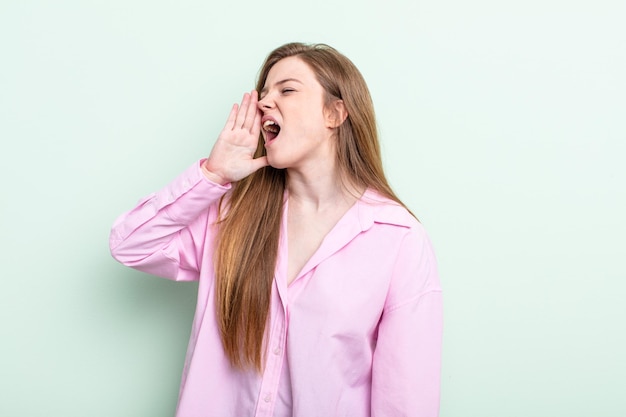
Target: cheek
313,120
304,120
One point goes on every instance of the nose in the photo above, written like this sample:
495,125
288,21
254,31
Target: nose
265,103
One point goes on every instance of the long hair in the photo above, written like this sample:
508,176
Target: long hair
247,239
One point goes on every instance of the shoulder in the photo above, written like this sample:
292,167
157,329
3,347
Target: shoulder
411,240
404,240
376,208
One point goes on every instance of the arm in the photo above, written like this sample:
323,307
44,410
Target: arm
165,234
407,360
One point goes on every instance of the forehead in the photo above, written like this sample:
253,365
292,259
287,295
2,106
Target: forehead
289,68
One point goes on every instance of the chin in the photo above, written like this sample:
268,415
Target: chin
277,163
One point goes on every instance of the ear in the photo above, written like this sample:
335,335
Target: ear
335,114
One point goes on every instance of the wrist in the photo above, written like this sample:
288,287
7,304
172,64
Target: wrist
212,175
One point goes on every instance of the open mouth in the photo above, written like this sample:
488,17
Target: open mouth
271,129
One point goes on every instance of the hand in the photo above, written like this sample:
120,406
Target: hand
232,156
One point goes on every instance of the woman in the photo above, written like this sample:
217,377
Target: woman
318,291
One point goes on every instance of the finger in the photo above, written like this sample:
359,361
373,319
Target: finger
251,111
230,122
256,124
243,109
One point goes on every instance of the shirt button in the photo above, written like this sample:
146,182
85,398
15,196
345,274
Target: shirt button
267,398
277,351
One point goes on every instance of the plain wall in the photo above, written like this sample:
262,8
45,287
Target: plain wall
503,128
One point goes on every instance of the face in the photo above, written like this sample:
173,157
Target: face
295,125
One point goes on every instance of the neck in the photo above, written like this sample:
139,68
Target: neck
320,187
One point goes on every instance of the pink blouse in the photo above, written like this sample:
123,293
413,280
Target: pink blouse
357,333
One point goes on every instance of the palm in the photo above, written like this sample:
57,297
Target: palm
232,156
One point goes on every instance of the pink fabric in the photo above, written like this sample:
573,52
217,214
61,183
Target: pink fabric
358,332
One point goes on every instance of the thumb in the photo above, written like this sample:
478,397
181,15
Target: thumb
259,163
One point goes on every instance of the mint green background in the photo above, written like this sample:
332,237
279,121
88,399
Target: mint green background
503,127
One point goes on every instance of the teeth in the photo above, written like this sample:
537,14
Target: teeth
271,126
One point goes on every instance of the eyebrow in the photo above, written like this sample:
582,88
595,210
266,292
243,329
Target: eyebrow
286,80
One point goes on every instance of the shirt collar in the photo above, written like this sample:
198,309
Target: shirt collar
375,208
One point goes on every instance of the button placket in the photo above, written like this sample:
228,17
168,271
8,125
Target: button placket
271,376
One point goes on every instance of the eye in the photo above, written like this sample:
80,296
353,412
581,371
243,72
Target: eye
287,90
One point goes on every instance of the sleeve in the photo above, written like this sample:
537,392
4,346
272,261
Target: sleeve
406,373
164,234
